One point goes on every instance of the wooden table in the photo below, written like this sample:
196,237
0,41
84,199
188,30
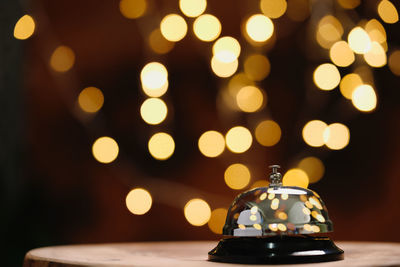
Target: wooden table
179,254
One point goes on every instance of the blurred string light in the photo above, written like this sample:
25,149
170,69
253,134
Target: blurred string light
388,12
62,59
268,133
173,27
138,201
259,28
295,177
326,76
273,8
91,99
217,220
238,139
197,212
313,133
207,27
211,144
161,146
154,79
132,9
192,8
336,136
105,149
341,54
257,67
237,176
313,167
250,99
158,43
364,98
394,62
376,31
359,40
223,69
376,56
349,4
329,31
24,28
349,83
153,111
226,49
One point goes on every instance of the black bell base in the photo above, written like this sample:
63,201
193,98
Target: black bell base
281,249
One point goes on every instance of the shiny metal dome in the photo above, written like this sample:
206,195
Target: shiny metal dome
277,210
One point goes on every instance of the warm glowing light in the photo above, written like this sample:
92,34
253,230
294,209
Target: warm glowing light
91,99
24,28
158,43
105,149
238,139
281,215
154,78
281,227
268,133
394,62
329,30
224,69
359,40
314,201
364,98
62,59
326,76
192,8
313,133
271,196
173,27
237,176
237,82
295,177
217,220
349,83
161,146
249,99
273,8
273,227
197,212
341,54
336,136
138,201
298,10
314,168
275,204
349,4
211,144
153,111
388,12
226,49
259,28
376,31
132,9
257,67
207,27
376,56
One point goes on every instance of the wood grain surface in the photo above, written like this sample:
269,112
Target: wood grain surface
189,254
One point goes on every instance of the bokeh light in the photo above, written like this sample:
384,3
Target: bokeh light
238,139
349,4
341,54
62,59
259,28
173,27
91,99
192,8
359,40
197,212
161,146
273,8
349,83
138,201
376,31
226,49
295,177
158,43
376,56
211,144
153,111
313,167
326,76
249,99
268,133
132,9
394,62
217,220
154,78
237,176
313,133
336,136
329,31
224,69
24,28
388,12
257,67
364,98
207,27
105,149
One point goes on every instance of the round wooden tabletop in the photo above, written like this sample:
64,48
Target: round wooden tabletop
189,254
